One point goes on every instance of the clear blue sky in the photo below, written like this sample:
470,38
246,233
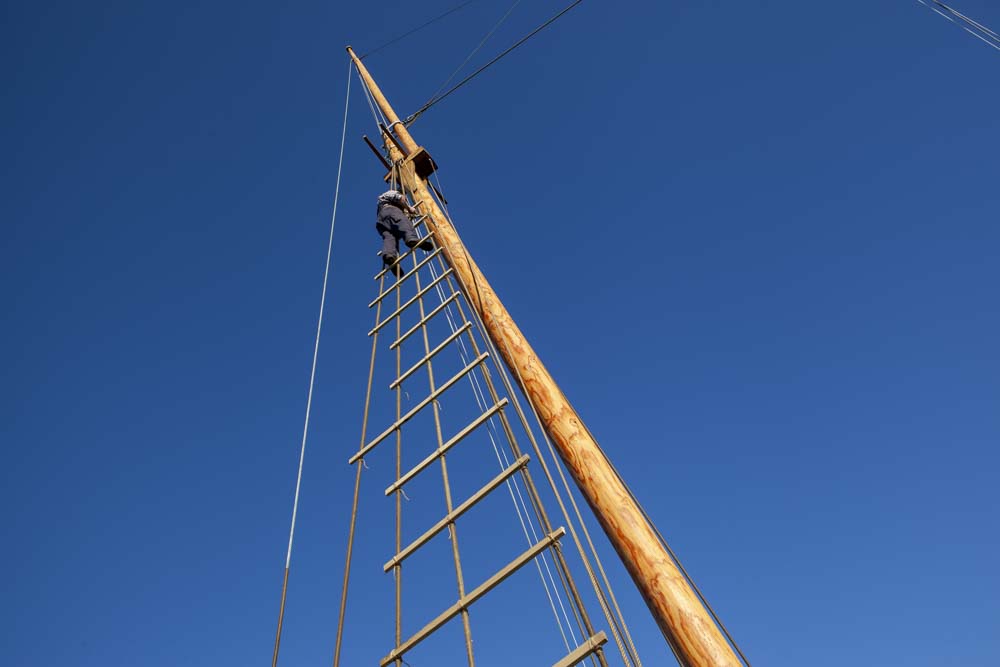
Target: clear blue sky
756,243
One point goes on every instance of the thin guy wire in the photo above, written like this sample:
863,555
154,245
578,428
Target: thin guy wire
312,373
966,28
376,112
474,51
967,19
412,117
418,28
970,20
357,486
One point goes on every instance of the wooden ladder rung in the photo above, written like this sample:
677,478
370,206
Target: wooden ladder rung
418,407
457,438
453,515
584,650
467,599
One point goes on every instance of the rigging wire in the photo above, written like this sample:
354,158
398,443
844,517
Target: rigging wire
376,112
312,375
412,117
971,26
418,28
474,51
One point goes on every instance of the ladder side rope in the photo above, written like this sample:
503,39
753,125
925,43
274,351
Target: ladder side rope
612,622
397,570
357,488
449,505
312,376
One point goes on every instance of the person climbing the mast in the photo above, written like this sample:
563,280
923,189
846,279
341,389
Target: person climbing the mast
392,223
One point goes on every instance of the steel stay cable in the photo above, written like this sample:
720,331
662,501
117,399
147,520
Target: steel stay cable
312,375
967,19
418,28
474,51
412,117
962,23
376,112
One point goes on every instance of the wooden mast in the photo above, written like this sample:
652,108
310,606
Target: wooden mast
687,625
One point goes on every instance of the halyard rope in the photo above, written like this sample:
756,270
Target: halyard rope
312,374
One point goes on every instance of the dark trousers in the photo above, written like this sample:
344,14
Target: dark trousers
392,225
